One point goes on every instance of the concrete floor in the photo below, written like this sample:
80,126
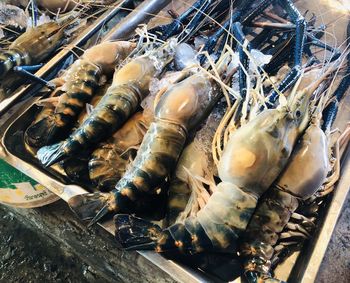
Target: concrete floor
336,263
29,256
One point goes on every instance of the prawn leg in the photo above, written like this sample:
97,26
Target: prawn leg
23,70
294,74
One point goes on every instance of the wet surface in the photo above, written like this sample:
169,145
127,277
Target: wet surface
28,256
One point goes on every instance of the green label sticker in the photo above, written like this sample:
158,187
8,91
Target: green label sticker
19,190
9,176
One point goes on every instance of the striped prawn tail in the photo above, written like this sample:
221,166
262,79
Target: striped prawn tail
156,159
80,88
215,228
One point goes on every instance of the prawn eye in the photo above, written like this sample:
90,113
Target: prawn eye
297,114
274,131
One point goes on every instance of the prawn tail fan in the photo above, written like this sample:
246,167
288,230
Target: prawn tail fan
42,133
51,154
134,233
88,206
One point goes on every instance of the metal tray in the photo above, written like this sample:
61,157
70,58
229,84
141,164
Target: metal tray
300,267
12,150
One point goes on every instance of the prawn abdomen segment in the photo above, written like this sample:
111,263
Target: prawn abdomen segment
269,219
216,227
156,159
81,82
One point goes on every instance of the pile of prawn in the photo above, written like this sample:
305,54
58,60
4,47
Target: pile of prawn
212,137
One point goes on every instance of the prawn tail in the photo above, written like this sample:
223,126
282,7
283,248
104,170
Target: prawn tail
134,233
51,154
41,133
87,206
77,169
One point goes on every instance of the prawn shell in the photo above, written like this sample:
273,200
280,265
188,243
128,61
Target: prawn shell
308,165
270,217
39,42
108,55
257,152
186,102
156,158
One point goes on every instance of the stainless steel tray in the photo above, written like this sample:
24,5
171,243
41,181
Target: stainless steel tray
301,267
